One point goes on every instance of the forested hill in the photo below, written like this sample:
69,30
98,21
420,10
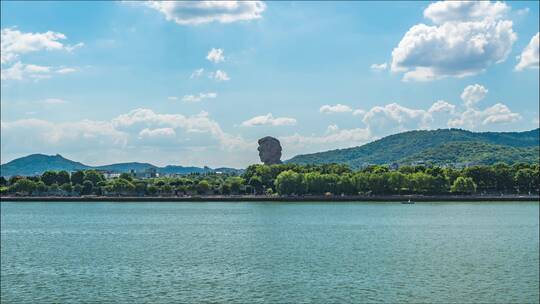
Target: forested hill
36,164
441,146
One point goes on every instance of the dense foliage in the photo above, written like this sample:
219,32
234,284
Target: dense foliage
432,147
290,179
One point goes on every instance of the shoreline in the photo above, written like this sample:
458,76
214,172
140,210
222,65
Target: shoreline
262,198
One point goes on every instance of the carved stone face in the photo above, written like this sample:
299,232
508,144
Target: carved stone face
269,150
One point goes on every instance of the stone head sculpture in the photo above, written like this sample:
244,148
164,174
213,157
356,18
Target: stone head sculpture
269,150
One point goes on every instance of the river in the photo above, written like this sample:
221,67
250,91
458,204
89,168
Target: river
269,252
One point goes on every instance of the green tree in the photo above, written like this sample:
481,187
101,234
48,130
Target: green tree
54,189
504,177
67,187
41,187
49,177
361,182
235,184
526,180
3,181
152,190
256,183
315,183
62,177
77,178
346,185
78,188
88,187
396,181
483,177
289,182
140,187
378,183
166,189
94,176
225,189
24,186
464,185
14,179
202,187
126,176
122,186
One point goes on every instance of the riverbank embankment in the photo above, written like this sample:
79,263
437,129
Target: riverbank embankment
264,198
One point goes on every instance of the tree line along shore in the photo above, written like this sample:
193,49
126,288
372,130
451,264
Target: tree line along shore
291,182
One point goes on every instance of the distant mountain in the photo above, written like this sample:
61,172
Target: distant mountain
36,164
430,146
126,167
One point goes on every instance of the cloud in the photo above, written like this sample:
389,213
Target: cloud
473,118
219,75
269,120
466,39
161,132
215,55
197,73
472,94
14,43
449,11
199,97
334,138
172,98
392,118
338,108
200,124
21,71
358,112
66,70
379,67
529,58
200,12
140,130
35,135
441,106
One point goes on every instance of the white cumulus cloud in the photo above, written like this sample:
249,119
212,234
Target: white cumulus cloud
160,132
219,75
14,43
466,39
215,55
199,97
269,120
379,67
472,94
21,71
338,108
199,12
529,58
448,11
473,118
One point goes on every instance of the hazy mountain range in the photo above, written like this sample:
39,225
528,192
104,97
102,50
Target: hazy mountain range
35,164
439,147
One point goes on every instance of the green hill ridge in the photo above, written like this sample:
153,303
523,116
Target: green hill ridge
443,146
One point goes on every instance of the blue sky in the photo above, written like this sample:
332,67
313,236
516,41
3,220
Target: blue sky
198,83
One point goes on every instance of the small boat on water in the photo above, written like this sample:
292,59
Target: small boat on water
408,202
